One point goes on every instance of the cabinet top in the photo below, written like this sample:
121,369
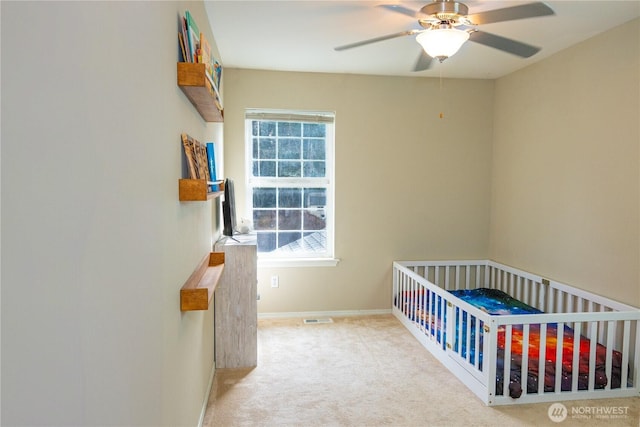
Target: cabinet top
239,239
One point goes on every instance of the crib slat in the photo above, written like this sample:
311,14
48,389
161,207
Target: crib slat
440,329
524,373
541,296
458,332
593,336
542,357
433,313
507,360
603,333
575,369
519,287
611,326
421,306
559,345
468,317
625,353
450,327
476,345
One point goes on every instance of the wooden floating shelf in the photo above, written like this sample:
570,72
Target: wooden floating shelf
203,95
198,290
194,190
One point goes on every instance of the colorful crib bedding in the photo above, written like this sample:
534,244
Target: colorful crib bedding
496,302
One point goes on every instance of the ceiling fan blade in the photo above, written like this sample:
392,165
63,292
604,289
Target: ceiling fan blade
401,9
530,10
423,62
504,44
377,39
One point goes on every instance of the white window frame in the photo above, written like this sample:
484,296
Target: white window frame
287,259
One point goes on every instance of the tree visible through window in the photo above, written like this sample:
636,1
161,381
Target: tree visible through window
290,165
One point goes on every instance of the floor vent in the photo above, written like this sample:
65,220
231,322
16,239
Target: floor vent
316,321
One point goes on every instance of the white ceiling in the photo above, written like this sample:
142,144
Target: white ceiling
300,35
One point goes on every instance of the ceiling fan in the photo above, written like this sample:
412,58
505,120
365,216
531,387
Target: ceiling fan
447,25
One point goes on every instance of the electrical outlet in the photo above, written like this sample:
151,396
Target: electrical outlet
275,282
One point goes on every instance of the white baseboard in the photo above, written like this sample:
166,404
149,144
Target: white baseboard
203,411
322,313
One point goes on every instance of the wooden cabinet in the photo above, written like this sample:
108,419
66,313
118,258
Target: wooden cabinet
202,93
236,307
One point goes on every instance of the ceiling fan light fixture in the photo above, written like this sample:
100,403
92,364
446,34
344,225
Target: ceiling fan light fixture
441,43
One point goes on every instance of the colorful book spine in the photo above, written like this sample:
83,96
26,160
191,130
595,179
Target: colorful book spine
185,41
204,53
193,34
211,161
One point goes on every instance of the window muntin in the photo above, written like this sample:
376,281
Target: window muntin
290,183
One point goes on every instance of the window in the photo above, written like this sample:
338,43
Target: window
290,184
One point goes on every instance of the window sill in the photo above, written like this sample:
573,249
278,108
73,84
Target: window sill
298,262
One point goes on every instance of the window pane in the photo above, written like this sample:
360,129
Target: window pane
255,125
266,242
289,219
267,149
314,219
315,197
264,197
289,169
314,149
315,129
264,220
315,241
289,129
290,198
289,148
288,237
267,129
264,168
314,169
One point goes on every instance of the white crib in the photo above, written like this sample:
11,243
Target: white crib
466,339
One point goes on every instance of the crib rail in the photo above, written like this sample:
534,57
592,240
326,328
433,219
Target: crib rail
573,347
589,333
424,308
547,295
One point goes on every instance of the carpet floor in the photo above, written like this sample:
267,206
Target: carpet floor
370,371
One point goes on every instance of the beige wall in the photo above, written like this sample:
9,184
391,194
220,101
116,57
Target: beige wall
566,166
409,185
95,245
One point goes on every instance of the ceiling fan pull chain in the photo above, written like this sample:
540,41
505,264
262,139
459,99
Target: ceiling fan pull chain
441,97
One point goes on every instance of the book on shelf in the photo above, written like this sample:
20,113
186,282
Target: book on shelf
182,49
204,53
185,41
213,89
196,154
193,34
217,73
211,162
